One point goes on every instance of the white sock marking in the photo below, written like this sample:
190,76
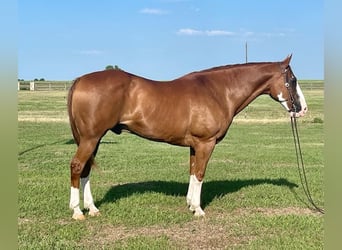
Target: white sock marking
87,196
193,197
190,190
74,197
196,196
75,201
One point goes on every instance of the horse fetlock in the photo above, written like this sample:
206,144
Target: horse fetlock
199,212
93,211
77,215
188,201
195,208
193,204
192,208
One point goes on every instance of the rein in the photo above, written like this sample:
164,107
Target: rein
299,155
300,165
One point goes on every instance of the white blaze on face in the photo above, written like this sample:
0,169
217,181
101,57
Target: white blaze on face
302,101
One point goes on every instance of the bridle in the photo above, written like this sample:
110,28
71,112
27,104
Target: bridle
299,155
287,86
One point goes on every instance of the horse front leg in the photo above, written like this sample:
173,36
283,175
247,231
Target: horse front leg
191,181
195,201
199,157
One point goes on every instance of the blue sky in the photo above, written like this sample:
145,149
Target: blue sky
165,39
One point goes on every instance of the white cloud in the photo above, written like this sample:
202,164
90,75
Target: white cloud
90,52
189,32
219,33
272,34
194,32
151,11
241,34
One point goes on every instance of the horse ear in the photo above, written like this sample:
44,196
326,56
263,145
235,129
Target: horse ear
286,62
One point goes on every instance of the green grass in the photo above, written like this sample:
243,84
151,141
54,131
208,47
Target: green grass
251,195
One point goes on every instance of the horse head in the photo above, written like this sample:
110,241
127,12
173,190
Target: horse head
287,91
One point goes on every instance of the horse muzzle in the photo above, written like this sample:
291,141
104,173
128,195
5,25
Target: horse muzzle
301,113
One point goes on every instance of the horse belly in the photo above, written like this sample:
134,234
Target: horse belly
160,124
177,126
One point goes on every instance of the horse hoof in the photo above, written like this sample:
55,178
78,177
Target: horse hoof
191,208
199,212
94,213
78,217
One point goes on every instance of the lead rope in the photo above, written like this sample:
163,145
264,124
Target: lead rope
300,165
299,155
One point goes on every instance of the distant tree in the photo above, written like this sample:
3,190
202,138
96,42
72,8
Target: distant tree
39,80
110,67
116,67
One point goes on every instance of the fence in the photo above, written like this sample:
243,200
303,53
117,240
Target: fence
44,85
311,84
65,85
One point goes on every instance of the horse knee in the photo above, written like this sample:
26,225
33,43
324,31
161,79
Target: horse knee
76,167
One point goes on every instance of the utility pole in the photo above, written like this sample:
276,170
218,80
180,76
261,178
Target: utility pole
246,52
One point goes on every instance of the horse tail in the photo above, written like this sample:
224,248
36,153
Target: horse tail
71,118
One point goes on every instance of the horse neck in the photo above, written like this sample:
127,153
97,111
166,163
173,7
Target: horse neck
248,82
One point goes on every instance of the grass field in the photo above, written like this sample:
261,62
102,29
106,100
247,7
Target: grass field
251,193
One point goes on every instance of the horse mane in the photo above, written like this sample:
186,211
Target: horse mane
226,67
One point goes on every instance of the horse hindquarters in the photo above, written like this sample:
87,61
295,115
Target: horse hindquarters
81,164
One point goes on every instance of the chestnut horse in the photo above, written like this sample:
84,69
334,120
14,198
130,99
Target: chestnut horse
193,111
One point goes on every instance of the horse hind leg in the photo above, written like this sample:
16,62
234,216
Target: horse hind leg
85,183
80,166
